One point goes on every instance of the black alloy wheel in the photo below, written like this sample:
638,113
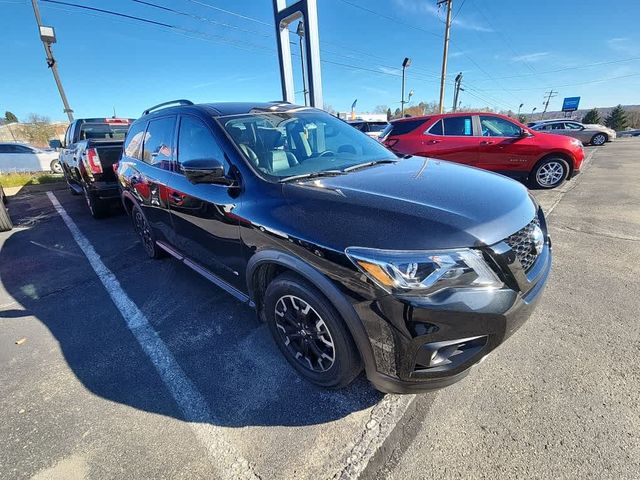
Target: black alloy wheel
304,333
310,333
143,229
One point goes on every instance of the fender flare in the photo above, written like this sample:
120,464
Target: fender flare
124,195
328,289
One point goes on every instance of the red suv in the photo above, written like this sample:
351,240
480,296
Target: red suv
490,141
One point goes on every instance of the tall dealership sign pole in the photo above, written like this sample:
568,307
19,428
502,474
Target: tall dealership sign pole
48,37
445,53
307,12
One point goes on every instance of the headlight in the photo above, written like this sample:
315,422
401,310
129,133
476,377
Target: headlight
421,273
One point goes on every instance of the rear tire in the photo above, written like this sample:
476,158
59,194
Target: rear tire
310,332
5,220
599,139
145,233
98,208
549,173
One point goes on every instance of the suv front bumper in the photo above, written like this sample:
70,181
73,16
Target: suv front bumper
425,344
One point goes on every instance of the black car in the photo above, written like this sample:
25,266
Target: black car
413,269
90,149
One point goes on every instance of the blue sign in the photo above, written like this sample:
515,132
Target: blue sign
570,104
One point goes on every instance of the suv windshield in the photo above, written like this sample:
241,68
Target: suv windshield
300,143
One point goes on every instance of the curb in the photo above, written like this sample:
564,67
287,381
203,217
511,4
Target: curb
30,189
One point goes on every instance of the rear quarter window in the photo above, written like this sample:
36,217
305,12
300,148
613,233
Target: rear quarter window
134,140
400,128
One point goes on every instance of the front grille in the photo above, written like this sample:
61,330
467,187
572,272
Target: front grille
523,246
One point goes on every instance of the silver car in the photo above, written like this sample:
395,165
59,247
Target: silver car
586,133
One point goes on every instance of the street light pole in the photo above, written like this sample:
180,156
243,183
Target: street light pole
405,63
47,35
519,107
300,32
445,53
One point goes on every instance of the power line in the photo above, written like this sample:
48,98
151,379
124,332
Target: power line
200,18
458,12
394,19
575,67
229,12
579,83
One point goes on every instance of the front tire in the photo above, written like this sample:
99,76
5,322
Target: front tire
145,233
5,220
549,173
310,333
56,167
599,139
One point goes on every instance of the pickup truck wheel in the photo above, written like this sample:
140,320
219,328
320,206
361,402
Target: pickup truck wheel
549,173
310,333
56,167
5,220
143,229
97,207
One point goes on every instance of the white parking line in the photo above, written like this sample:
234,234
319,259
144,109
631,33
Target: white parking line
190,401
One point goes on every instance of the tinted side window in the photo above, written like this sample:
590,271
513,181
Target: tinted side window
400,128
133,143
457,126
557,126
158,143
573,126
5,148
498,127
22,149
196,142
436,128
66,135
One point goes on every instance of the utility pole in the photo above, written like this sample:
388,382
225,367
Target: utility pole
48,37
549,96
456,91
405,64
445,53
300,32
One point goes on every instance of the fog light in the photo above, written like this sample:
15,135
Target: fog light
447,355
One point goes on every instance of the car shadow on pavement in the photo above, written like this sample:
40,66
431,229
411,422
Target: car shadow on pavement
218,342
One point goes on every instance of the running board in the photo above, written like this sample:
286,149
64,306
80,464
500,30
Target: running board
206,274
76,188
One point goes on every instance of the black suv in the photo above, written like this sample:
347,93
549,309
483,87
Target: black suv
411,268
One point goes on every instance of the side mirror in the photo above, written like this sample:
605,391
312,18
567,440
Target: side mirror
55,144
206,170
524,133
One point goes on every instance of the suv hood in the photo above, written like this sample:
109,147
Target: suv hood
416,203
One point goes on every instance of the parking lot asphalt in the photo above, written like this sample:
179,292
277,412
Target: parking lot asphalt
113,365
561,398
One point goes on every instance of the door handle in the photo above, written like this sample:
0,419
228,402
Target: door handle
487,142
432,142
176,197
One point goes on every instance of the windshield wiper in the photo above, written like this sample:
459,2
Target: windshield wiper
325,173
367,164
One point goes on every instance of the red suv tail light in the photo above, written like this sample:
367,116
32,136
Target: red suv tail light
93,160
391,142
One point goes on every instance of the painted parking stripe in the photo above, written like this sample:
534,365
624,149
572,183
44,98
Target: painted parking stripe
190,401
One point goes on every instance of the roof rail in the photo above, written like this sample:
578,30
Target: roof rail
172,102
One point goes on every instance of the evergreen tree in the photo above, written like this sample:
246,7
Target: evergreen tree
592,116
617,119
10,117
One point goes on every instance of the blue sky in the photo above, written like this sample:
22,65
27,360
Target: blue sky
510,52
